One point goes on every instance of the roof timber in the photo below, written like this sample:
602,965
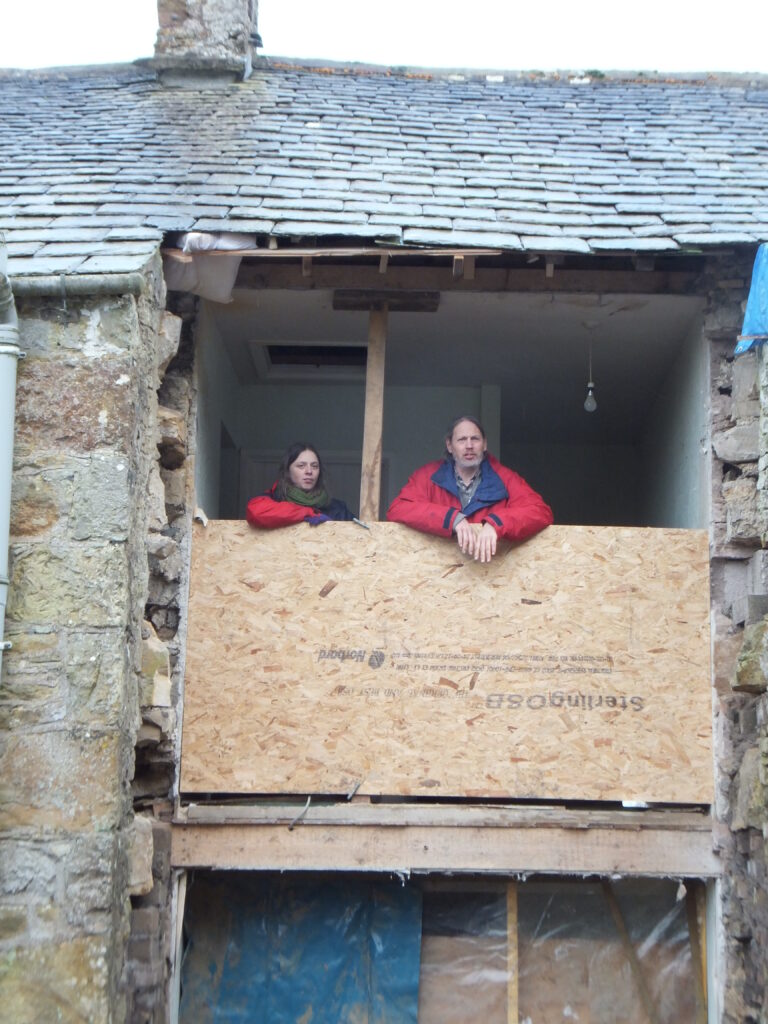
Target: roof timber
486,279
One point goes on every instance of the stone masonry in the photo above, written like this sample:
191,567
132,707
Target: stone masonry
71,853
739,406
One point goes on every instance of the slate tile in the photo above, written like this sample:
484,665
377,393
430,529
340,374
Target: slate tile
438,223
321,228
632,243
462,239
554,243
124,263
38,266
249,226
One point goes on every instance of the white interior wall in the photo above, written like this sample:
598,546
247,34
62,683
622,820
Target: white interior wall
595,484
217,391
675,492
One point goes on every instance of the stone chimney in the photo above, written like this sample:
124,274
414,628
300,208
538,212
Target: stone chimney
212,39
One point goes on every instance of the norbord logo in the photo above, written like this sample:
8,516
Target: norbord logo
375,660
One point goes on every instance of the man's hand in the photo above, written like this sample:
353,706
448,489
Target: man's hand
477,542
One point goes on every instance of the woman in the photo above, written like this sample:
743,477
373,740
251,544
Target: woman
298,495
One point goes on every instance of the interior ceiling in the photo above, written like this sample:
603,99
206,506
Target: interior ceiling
535,346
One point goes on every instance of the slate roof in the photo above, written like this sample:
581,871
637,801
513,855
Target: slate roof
97,163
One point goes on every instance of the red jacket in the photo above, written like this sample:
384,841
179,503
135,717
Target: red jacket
429,502
268,512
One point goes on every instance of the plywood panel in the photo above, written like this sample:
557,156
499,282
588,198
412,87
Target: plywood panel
337,659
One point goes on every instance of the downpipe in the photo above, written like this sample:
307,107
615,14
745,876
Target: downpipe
9,357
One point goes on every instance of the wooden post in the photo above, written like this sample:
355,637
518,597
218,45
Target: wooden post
513,986
370,479
696,933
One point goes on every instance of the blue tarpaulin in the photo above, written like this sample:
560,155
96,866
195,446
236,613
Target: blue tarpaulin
268,949
755,328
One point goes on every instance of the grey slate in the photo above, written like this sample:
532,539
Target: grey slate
367,155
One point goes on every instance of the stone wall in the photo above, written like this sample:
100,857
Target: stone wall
739,406
147,971
219,29
70,852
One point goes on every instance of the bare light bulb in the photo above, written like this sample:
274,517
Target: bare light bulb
590,402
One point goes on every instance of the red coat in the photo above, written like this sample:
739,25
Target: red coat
268,512
429,502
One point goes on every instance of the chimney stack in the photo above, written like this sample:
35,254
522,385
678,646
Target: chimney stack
211,39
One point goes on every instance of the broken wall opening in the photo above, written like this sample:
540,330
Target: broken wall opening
435,949
517,359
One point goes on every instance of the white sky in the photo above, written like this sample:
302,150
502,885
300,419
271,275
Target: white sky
648,35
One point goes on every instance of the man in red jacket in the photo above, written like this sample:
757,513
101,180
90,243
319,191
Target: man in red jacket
470,487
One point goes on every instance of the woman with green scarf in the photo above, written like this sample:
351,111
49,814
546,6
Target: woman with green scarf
298,495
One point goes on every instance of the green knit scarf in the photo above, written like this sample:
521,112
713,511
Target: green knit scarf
312,499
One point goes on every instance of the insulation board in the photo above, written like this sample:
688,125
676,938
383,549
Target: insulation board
336,659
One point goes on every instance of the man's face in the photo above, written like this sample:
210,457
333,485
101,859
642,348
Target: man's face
467,445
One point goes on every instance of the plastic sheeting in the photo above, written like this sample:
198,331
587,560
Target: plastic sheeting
571,963
209,265
281,950
349,950
754,331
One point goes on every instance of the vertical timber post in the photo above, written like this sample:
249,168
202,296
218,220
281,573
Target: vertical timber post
370,478
513,971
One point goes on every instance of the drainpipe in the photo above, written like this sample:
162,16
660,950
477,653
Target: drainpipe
9,357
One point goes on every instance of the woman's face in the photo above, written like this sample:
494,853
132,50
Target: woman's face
304,470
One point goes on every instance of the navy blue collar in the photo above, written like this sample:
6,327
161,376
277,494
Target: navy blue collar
490,490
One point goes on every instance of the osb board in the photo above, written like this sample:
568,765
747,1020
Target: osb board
337,659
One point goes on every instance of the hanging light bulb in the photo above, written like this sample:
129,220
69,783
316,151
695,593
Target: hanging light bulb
590,402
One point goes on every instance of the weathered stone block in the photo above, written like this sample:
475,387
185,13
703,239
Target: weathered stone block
36,504
752,664
164,557
155,658
101,498
75,585
13,923
758,573
68,982
749,805
175,481
69,780
145,920
157,516
744,374
140,852
30,869
89,329
727,641
743,520
750,608
738,444
167,339
172,437
75,407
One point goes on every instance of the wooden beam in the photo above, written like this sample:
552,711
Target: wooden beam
463,815
513,971
306,266
458,267
370,481
383,262
355,300
307,847
288,276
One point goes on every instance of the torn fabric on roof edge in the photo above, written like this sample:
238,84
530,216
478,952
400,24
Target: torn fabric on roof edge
754,330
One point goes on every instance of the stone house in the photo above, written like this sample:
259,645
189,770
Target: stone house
200,249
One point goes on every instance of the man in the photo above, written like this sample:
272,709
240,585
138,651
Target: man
470,487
